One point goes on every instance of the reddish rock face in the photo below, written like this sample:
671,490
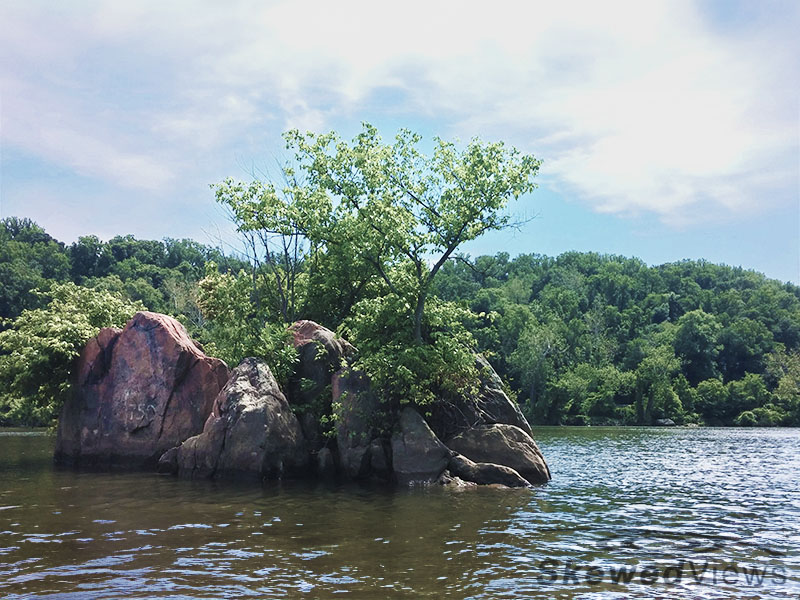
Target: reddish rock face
138,392
320,354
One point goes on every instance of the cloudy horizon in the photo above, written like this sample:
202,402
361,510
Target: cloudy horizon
668,130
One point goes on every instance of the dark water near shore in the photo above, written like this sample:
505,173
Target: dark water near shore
681,513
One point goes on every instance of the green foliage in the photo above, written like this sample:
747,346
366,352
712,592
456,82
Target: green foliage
274,224
37,352
768,415
784,370
689,334
29,259
362,236
357,234
696,344
236,329
713,401
745,344
589,395
747,393
655,397
539,354
402,370
401,212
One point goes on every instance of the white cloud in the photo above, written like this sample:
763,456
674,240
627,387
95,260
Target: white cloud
636,106
44,125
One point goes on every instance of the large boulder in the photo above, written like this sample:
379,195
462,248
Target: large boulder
489,405
137,392
251,432
485,473
417,454
320,354
503,445
360,415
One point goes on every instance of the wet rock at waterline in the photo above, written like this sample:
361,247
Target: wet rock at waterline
147,394
251,432
485,473
417,454
137,392
503,445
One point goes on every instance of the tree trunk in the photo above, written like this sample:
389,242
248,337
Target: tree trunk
418,312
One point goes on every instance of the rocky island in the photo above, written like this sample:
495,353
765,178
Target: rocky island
148,397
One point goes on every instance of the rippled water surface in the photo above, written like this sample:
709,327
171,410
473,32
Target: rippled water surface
630,513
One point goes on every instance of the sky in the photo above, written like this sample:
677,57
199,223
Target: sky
667,130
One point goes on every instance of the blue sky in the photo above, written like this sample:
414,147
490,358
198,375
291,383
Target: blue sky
668,130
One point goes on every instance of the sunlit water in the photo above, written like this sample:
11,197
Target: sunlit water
676,513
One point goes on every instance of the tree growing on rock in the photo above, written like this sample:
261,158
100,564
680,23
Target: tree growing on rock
410,212
380,220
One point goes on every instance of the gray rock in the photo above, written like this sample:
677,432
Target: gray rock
665,423
503,445
488,406
485,473
360,414
417,454
251,431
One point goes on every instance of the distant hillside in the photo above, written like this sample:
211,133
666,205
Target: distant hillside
161,274
580,339
589,338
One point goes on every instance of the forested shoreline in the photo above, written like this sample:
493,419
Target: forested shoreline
579,339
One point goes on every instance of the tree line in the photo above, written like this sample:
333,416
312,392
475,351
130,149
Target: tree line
582,338
586,338
364,237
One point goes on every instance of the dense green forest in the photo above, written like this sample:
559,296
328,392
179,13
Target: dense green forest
590,339
580,339
364,238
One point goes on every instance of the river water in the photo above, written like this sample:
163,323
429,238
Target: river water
630,513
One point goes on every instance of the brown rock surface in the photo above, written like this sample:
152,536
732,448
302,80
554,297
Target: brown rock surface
251,432
320,353
137,393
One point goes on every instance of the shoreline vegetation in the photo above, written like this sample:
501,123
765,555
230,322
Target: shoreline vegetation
533,344
578,339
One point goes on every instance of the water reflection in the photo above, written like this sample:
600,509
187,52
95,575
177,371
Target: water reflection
621,501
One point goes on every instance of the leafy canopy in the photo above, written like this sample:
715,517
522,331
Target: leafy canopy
365,226
402,206
235,328
37,352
